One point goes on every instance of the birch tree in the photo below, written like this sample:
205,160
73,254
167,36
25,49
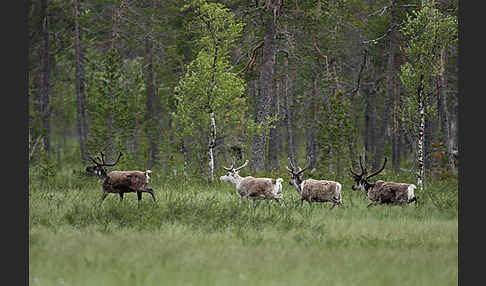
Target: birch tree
428,32
209,96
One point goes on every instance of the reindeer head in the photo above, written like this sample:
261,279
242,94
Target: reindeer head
296,173
361,180
232,175
99,167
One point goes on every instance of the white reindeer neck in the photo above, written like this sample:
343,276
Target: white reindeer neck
236,179
232,176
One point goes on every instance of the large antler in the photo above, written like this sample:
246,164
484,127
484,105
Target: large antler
307,165
102,160
232,165
364,171
246,163
94,161
354,173
377,172
292,167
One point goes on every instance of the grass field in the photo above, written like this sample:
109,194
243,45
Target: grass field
201,235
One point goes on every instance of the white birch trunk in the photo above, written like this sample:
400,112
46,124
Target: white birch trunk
420,145
212,140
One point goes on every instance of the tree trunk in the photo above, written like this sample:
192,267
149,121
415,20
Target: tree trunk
444,124
44,98
151,116
267,89
111,92
370,118
396,133
273,148
289,116
211,144
311,122
82,116
136,134
380,142
421,136
186,160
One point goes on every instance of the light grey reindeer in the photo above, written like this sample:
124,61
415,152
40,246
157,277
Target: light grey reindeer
120,182
253,188
312,190
382,192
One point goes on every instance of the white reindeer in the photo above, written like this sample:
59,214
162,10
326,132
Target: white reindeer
254,188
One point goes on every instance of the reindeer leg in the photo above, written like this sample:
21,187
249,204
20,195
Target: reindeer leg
139,195
150,191
372,204
103,196
302,202
121,196
333,205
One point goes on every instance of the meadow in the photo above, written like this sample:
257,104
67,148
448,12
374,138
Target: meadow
200,234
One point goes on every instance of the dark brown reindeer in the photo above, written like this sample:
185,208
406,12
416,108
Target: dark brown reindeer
382,192
120,182
312,190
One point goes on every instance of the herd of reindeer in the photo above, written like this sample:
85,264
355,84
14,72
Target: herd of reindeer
310,190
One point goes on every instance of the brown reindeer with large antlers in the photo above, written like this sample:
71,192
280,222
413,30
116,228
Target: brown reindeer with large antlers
251,187
382,192
120,182
312,190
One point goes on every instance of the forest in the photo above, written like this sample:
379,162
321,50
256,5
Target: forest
189,89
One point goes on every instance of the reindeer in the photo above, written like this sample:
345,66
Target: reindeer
312,190
253,188
120,181
382,192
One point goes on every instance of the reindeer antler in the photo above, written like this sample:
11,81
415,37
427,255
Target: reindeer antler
117,159
246,163
94,161
377,172
307,165
364,171
292,167
102,160
232,165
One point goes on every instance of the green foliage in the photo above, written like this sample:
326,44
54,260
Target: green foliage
194,101
198,44
46,171
441,167
209,84
216,27
102,89
428,32
335,127
116,92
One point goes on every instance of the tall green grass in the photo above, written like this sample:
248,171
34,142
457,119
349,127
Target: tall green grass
199,234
